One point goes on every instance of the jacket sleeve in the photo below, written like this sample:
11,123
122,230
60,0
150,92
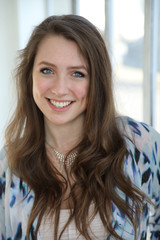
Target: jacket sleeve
3,167
153,173
146,173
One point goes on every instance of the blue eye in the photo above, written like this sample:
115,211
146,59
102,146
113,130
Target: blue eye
78,75
46,71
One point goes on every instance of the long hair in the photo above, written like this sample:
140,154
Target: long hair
99,165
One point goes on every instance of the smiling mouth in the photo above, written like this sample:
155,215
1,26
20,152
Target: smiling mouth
60,104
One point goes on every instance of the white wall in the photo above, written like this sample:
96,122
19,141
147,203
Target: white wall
9,43
30,14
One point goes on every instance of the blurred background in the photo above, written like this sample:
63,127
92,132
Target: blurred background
132,33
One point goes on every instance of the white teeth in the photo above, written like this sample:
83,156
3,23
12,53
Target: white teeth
59,104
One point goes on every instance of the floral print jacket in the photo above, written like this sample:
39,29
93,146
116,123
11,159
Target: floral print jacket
142,166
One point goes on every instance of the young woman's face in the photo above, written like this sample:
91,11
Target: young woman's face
60,81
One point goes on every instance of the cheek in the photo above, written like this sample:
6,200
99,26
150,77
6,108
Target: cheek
82,91
39,86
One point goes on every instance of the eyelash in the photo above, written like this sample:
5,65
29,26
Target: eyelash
46,71
80,75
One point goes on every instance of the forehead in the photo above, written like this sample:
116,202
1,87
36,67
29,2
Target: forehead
53,46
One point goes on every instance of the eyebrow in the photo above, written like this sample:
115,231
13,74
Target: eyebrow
46,63
72,67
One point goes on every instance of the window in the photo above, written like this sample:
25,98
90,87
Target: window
128,57
131,28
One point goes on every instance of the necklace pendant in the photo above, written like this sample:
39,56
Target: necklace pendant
62,158
66,160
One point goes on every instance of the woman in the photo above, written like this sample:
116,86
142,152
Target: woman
71,168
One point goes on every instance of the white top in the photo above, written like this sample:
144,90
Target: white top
96,230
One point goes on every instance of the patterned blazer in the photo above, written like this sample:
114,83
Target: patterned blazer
142,167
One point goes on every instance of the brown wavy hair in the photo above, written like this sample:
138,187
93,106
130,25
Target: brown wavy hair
99,165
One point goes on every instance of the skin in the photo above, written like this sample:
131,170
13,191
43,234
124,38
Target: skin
60,76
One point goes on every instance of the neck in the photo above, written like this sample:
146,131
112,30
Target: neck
63,137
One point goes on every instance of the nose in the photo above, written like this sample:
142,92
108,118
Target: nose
60,86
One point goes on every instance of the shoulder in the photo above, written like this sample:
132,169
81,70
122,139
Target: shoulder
9,179
16,201
3,161
3,173
141,135
142,166
143,160
3,168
